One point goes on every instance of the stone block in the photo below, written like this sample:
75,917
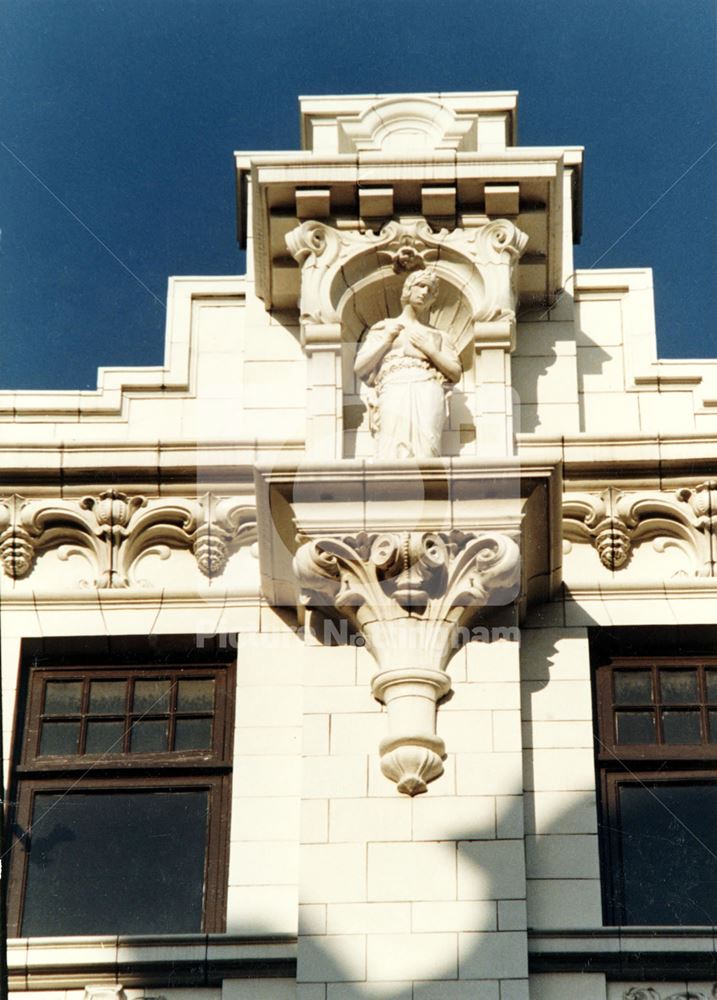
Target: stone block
568,985
514,989
562,856
411,871
502,199
263,863
312,918
334,777
314,821
509,818
264,819
512,915
269,706
461,915
469,817
315,735
484,990
266,777
489,773
502,955
568,700
559,770
246,989
369,918
507,732
560,812
359,732
370,819
332,873
411,956
257,910
466,732
554,904
332,959
491,870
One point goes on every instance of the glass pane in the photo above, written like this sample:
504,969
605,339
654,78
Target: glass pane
193,734
679,686
711,677
151,696
195,696
59,739
633,687
669,850
635,727
681,727
108,697
149,736
63,697
104,737
116,863
713,727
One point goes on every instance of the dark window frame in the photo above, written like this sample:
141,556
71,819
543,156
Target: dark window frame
643,764
126,771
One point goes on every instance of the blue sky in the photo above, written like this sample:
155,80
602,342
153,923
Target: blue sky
119,118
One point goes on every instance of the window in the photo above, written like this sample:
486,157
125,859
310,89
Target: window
657,758
121,787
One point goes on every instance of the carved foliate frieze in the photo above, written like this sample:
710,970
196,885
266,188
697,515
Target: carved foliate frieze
615,523
703,503
409,593
112,530
223,524
650,993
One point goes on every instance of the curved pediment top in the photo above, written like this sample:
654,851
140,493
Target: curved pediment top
407,124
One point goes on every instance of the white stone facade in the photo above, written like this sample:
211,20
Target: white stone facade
413,815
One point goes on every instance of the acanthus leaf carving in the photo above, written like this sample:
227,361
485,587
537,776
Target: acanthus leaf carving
408,594
615,523
222,524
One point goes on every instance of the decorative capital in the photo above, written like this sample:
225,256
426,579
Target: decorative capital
409,593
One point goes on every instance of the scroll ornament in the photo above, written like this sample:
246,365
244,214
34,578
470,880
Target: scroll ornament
650,993
409,594
615,523
481,261
112,530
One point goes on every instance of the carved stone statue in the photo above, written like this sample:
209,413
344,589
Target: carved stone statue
410,365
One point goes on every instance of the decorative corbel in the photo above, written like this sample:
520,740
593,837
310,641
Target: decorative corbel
409,594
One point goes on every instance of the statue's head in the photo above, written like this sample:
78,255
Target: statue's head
427,277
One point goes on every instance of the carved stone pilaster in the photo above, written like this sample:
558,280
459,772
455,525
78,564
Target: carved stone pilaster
409,593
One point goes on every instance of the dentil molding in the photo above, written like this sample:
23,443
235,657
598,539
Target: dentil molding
409,593
112,530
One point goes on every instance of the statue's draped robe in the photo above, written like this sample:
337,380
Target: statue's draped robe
410,401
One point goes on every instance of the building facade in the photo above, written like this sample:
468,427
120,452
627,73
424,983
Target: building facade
367,648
